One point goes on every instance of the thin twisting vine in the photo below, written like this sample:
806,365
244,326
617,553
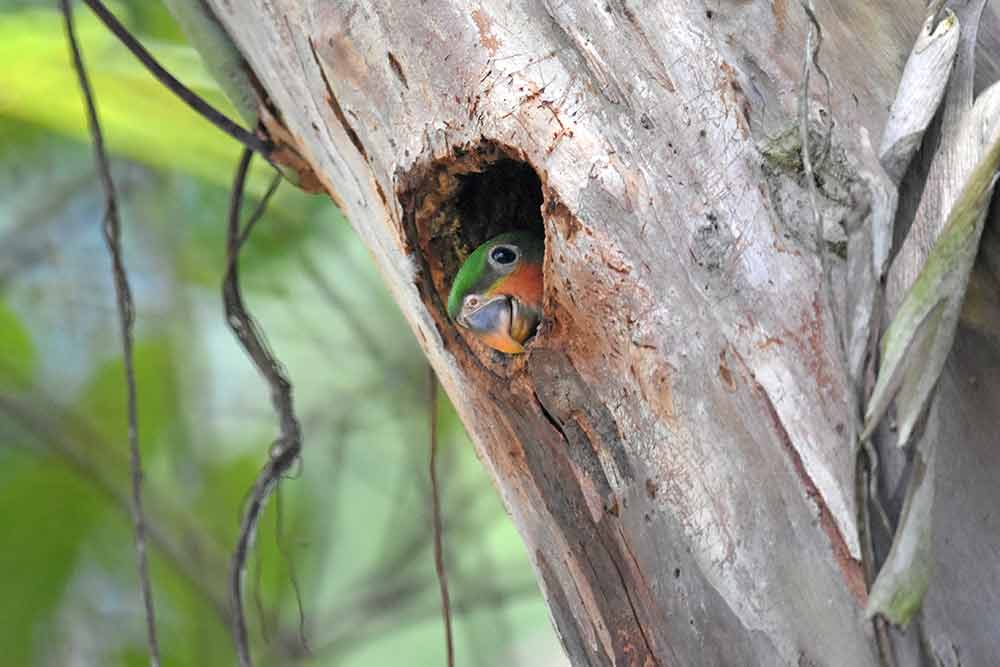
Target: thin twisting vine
191,98
293,577
126,319
814,41
288,445
866,468
442,574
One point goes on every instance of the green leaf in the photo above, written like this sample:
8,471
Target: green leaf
17,352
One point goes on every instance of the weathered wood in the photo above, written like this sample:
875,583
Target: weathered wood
674,446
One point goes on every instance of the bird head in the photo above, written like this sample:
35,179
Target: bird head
497,294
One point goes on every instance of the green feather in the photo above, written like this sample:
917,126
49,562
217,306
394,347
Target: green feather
476,275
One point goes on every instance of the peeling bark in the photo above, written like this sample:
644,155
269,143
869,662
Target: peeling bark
674,446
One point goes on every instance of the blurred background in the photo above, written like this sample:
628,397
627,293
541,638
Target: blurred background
354,526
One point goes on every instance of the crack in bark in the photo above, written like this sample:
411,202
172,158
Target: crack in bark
581,450
586,423
548,416
567,629
609,628
550,469
850,568
628,594
544,400
397,69
338,111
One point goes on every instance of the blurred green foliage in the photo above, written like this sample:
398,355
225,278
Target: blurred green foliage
18,351
354,525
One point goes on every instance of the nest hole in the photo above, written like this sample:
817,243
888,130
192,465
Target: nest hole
470,198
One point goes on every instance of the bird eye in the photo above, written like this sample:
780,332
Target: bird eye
471,301
503,255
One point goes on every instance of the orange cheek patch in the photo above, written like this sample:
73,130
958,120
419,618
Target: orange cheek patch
525,283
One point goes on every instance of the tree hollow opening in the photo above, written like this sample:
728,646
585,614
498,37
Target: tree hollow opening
468,199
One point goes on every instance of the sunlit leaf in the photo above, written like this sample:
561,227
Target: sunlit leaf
141,119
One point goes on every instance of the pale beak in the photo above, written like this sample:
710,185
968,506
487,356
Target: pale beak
491,316
492,323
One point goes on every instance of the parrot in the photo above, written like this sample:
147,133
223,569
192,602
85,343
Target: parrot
497,293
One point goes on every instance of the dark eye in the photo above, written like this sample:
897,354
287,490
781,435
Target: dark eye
503,255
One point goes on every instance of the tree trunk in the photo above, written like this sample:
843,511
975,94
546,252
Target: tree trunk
675,446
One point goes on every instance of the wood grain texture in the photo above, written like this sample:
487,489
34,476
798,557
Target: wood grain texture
673,447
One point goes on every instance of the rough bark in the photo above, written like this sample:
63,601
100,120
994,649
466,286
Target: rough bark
674,446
